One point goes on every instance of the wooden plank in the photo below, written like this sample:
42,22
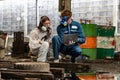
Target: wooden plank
16,70
22,75
6,64
58,72
71,67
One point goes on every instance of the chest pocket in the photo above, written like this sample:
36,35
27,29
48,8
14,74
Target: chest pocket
74,29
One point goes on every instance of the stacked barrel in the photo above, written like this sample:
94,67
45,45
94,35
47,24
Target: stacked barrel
89,48
105,42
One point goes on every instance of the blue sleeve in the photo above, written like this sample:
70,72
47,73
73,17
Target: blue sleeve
59,32
81,36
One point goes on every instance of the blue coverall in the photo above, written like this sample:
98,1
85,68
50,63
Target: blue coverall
73,49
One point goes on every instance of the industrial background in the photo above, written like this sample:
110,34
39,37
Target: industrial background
100,20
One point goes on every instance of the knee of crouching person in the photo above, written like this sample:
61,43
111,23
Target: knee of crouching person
46,44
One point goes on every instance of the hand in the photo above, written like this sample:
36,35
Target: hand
70,42
41,41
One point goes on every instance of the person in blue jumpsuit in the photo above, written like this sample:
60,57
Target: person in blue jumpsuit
67,26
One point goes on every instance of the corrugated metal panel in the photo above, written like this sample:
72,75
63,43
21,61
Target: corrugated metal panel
106,31
106,42
90,52
103,53
91,42
90,30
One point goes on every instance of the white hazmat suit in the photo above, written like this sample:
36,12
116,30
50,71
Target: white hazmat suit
35,47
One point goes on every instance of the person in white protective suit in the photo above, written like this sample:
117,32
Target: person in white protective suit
39,39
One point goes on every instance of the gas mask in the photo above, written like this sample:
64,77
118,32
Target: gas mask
64,21
44,28
49,31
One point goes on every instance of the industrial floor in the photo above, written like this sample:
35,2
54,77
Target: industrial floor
111,67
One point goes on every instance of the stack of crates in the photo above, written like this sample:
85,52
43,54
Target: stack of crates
105,42
89,48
